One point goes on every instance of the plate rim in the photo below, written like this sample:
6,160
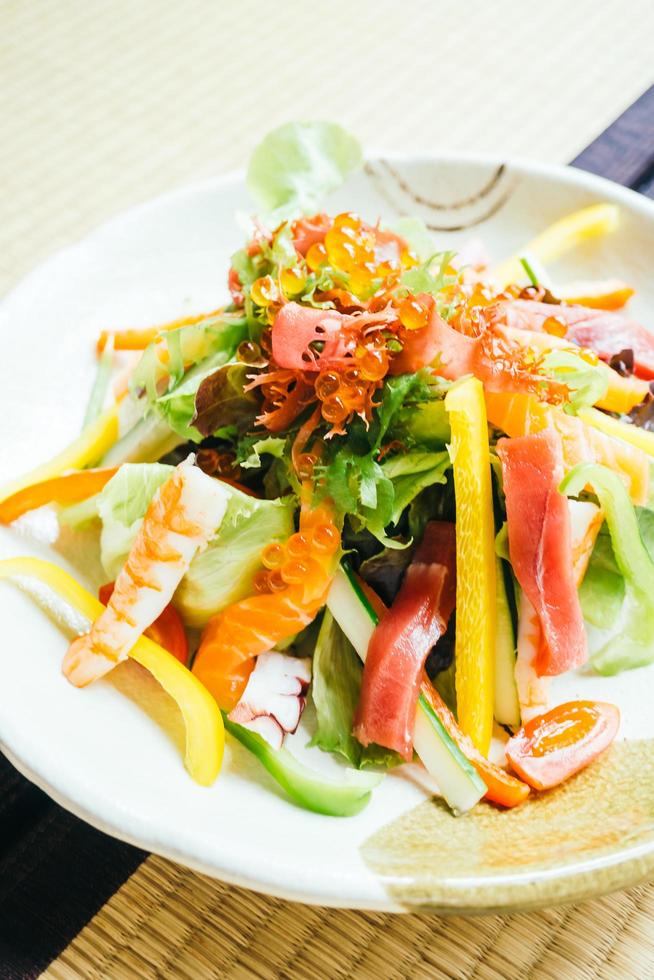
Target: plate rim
610,872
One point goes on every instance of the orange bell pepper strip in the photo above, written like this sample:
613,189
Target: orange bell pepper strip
68,489
205,735
475,561
167,630
89,447
607,294
140,338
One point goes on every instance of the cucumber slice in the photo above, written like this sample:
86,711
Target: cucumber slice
507,706
457,779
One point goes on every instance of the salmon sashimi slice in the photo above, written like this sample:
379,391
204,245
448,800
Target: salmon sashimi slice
605,332
237,635
540,546
402,640
183,515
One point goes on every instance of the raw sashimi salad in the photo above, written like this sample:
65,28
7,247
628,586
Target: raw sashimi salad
386,489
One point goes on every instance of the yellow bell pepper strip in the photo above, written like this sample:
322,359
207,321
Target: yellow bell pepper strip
562,236
69,489
586,436
475,561
140,338
205,736
633,434
89,447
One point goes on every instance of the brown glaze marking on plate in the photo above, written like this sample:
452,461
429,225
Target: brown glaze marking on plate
592,835
471,222
436,205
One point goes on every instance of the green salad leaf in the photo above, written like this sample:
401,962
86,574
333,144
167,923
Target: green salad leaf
297,164
416,234
335,691
630,640
587,383
373,492
169,387
430,277
223,573
410,473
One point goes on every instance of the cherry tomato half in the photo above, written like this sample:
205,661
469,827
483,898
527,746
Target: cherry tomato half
552,747
167,630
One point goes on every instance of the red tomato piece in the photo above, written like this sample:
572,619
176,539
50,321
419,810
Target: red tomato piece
167,630
554,746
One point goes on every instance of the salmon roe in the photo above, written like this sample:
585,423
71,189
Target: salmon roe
413,315
264,291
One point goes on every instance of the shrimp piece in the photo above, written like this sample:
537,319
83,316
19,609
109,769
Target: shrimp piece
182,517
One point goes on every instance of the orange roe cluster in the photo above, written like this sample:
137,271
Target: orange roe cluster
299,561
366,257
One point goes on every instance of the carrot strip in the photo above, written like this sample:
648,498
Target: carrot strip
140,338
502,788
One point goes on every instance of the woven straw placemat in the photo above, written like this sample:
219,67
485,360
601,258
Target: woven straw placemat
104,104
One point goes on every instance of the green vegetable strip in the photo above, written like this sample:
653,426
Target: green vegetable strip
630,553
533,278
303,785
101,384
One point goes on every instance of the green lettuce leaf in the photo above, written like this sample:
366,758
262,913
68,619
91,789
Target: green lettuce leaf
410,473
251,451
416,234
630,641
430,277
335,691
296,165
587,383
194,352
223,573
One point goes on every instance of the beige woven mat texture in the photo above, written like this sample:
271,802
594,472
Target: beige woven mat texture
104,103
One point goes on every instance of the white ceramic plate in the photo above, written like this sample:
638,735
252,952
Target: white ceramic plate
96,751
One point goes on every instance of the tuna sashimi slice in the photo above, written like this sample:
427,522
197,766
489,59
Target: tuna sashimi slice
400,644
540,546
